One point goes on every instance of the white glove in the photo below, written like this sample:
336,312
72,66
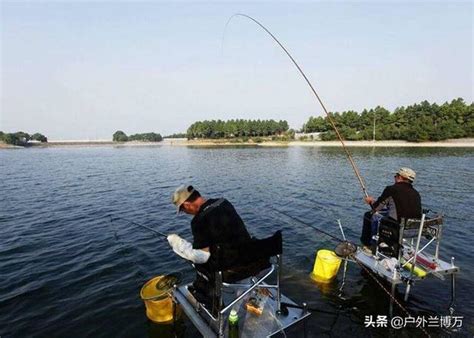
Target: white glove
184,249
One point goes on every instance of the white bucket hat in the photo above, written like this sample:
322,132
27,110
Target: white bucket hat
407,173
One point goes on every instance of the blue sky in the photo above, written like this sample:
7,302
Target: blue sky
81,70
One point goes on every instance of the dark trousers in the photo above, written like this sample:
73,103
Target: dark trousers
366,236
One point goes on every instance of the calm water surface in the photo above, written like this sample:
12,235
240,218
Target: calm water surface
67,270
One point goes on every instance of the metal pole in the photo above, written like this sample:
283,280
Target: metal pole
407,291
453,290
422,222
343,279
220,302
279,263
340,227
394,287
438,240
260,281
421,250
373,139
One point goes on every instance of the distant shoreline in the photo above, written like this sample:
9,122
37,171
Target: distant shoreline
454,143
402,144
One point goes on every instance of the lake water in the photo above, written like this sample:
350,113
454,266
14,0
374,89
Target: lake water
66,270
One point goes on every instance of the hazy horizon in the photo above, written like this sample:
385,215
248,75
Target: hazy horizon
84,70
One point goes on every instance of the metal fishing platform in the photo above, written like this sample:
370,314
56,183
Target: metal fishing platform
399,276
272,322
411,263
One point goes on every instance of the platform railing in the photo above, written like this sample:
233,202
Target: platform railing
217,322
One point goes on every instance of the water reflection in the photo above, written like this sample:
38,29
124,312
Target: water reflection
171,330
326,288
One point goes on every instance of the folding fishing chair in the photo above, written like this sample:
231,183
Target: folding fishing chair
228,276
403,240
413,230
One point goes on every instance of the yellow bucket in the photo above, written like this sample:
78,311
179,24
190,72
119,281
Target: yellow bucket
158,302
326,266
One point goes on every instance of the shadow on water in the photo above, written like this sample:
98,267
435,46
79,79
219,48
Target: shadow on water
173,330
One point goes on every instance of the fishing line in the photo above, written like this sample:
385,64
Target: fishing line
330,118
126,252
306,224
141,225
282,327
156,232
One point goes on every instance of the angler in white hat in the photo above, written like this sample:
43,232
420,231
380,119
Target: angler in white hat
401,200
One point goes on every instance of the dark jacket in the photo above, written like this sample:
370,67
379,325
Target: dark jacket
402,201
217,222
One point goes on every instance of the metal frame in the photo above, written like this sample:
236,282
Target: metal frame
218,322
411,233
415,255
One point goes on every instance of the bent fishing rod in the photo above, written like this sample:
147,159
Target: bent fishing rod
331,120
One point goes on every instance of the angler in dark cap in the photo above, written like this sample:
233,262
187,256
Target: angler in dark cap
401,200
215,222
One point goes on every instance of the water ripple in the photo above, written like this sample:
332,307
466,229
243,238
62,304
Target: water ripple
67,269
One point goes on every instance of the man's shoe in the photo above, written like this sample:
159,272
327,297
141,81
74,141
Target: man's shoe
367,250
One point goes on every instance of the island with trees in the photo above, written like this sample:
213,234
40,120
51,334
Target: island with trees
120,136
22,139
243,130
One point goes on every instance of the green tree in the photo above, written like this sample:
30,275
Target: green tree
468,126
39,137
119,136
10,139
19,138
422,121
236,128
146,137
315,124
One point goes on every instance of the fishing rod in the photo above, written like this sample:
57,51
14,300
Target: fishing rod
306,224
331,120
140,225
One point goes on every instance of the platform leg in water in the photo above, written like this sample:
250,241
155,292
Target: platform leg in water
407,291
394,288
453,294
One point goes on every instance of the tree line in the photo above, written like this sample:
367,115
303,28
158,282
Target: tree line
236,128
21,138
120,136
416,123
176,135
